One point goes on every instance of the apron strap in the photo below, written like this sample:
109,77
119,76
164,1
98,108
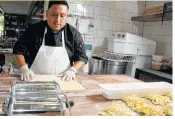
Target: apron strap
63,41
45,31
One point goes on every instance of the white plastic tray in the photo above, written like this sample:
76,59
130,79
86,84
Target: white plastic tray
119,91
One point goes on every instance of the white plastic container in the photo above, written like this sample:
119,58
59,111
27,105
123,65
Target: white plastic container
160,59
157,65
119,91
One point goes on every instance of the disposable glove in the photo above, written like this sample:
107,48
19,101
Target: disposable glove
69,74
26,73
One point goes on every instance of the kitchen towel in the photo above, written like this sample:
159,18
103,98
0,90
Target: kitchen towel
83,24
72,20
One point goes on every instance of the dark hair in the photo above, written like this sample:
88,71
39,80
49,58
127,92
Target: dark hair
63,2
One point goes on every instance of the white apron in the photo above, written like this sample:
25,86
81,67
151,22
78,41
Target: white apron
51,60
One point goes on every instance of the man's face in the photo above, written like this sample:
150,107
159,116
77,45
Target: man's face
57,16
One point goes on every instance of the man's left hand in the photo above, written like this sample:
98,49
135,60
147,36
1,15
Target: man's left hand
69,74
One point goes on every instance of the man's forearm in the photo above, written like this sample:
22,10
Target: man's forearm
78,65
20,60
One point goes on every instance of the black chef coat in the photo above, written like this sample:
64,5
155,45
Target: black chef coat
30,42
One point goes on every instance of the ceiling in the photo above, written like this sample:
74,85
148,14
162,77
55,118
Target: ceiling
15,7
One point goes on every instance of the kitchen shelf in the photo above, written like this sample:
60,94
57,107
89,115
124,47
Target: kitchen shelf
153,18
12,23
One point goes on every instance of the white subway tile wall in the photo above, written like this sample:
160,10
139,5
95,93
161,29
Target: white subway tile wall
88,9
160,33
79,8
100,33
110,17
115,16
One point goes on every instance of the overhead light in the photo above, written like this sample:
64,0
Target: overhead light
17,30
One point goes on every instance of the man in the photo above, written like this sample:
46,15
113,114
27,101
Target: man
51,47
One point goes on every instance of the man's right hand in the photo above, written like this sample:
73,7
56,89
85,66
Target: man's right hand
26,73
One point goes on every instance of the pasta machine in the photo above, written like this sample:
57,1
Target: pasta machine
35,97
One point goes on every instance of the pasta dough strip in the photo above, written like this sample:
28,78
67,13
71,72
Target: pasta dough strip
170,96
116,110
139,105
163,101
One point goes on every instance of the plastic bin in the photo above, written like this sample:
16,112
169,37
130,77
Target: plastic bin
156,65
119,91
160,59
159,66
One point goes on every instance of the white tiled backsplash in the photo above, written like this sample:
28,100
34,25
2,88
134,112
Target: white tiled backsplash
115,16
